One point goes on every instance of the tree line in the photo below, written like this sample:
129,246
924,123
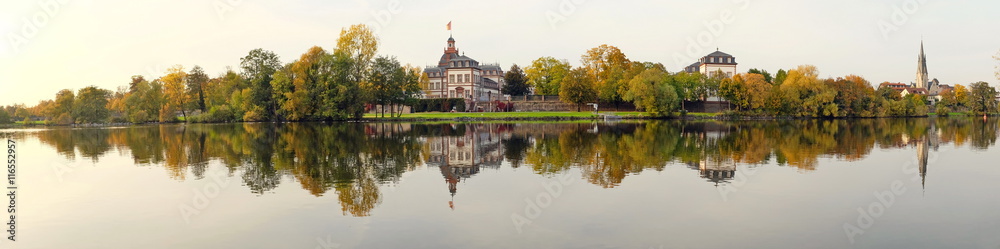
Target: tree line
320,85
607,76
351,79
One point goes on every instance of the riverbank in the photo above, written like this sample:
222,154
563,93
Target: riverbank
515,116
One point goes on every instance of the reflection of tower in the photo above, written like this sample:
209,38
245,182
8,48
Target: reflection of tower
923,150
460,157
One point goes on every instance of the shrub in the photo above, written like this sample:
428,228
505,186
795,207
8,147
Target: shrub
438,105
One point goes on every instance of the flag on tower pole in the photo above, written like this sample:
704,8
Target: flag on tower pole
449,25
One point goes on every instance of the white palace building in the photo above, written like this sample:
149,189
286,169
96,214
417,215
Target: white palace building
458,76
713,63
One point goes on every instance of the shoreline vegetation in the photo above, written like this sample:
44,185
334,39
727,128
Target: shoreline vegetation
460,117
352,82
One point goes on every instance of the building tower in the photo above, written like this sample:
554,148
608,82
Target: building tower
921,68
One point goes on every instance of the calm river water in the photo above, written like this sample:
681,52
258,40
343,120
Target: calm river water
873,183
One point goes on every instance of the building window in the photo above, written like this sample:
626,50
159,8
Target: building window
451,78
730,74
467,79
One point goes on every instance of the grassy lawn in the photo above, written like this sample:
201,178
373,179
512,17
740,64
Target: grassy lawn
32,122
702,114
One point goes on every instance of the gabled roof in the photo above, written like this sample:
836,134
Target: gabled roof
915,90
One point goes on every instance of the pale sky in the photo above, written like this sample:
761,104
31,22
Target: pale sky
50,45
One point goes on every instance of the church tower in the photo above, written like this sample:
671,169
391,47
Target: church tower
921,68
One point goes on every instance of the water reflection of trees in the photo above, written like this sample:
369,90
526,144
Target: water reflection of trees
355,159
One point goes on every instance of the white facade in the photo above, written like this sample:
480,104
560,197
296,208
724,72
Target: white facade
712,69
458,76
712,63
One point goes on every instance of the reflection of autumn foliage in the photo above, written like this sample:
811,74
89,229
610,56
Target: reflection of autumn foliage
359,197
354,159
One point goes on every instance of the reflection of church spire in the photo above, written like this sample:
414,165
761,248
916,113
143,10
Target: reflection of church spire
923,149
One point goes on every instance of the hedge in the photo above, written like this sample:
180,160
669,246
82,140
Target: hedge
439,105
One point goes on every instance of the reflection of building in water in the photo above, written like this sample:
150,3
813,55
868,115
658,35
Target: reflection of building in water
717,171
461,157
930,141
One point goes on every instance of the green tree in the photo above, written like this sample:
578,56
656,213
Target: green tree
91,104
855,96
5,117
410,87
385,82
888,93
282,91
762,72
650,91
577,88
196,80
133,85
297,91
218,92
342,96
62,108
258,68
144,101
546,75
780,77
689,86
982,98
517,82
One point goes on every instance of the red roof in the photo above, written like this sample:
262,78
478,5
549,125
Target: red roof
897,86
